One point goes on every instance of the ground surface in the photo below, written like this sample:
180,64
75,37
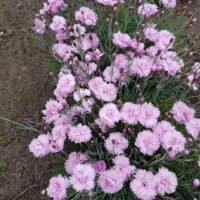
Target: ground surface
23,93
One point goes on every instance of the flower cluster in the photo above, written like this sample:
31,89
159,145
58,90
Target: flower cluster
89,108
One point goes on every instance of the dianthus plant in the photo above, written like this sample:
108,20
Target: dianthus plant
120,124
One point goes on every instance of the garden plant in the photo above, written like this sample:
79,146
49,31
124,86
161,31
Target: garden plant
121,123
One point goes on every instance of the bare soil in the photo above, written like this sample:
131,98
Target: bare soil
23,93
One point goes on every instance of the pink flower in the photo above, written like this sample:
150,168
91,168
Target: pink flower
141,66
40,146
116,143
58,24
90,40
82,178
182,113
109,92
58,132
110,181
57,187
51,112
80,133
122,165
81,94
121,62
56,144
111,74
95,85
39,25
161,128
121,40
165,181
151,34
54,6
61,36
99,166
86,16
64,121
66,85
149,114
193,128
79,30
165,40
147,10
63,51
111,3
147,142
173,141
101,125
130,113
75,159
169,3
143,185
109,114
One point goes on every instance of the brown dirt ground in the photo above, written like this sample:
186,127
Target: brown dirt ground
23,93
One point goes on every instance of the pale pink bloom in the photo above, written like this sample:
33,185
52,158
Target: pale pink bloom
165,40
122,165
76,110
63,51
111,3
64,120
61,36
99,166
56,144
81,94
109,114
173,141
57,188
151,34
116,143
95,85
111,74
86,16
141,66
161,128
91,67
40,146
165,181
110,181
54,6
87,105
101,125
169,3
147,142
129,113
121,40
143,185
147,9
121,62
39,25
65,86
74,159
51,112
82,178
90,40
80,133
58,24
193,128
182,113
149,114
109,92
58,132
78,30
